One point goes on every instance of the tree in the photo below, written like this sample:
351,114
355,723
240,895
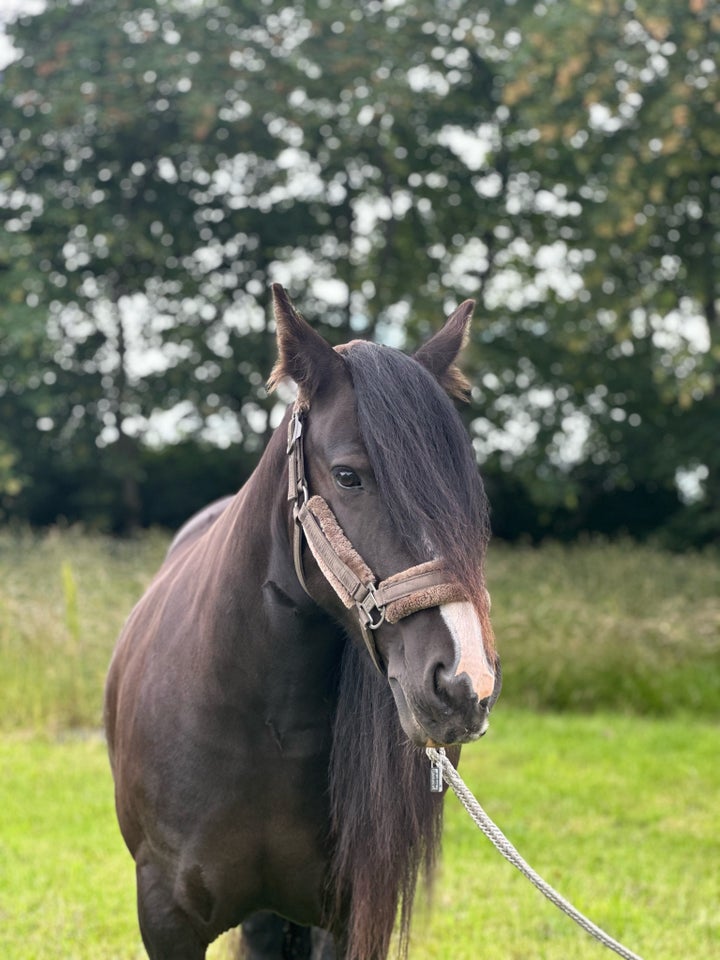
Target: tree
163,163
614,147
117,128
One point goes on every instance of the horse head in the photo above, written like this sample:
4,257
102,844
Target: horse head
389,517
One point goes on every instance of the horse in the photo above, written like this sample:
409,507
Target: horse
269,696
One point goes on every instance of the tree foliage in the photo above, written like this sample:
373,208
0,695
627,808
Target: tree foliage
163,163
625,131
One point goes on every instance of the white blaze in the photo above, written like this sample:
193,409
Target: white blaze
465,628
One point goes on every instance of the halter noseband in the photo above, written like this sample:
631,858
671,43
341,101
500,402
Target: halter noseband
417,588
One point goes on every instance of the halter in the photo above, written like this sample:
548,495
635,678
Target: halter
376,602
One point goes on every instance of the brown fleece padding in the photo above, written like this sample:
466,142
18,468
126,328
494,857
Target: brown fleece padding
432,588
416,588
342,547
422,599
429,567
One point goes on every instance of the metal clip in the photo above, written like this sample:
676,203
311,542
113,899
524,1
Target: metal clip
368,605
436,777
295,429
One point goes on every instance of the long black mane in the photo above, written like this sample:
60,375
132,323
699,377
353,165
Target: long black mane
386,823
423,461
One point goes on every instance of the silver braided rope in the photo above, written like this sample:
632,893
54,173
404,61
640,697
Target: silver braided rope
496,836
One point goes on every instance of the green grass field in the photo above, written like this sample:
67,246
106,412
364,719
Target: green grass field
601,764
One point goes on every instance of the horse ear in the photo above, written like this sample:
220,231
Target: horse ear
438,355
303,355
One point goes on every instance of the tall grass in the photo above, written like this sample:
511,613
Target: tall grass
596,626
608,626
63,597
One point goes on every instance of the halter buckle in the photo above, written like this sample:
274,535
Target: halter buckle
298,492
295,430
369,604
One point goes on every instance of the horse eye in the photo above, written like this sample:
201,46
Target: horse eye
346,478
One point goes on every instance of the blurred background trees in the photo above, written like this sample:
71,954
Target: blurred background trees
162,163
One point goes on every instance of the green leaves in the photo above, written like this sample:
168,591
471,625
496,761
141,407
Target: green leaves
163,163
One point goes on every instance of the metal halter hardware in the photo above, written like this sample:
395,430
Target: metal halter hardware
375,602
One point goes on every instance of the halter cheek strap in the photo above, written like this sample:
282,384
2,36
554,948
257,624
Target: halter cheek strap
376,602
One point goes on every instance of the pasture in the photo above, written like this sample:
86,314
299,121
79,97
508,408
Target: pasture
601,763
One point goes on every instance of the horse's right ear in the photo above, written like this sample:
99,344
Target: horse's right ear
439,354
303,355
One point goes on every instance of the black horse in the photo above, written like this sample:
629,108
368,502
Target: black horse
270,693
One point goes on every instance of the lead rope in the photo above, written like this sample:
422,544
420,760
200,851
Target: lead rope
441,767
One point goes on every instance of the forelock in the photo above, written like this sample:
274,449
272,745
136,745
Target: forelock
422,458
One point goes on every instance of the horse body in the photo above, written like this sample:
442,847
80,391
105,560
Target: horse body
234,822
252,744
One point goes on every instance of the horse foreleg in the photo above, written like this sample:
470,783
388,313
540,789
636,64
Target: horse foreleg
323,945
266,936
166,929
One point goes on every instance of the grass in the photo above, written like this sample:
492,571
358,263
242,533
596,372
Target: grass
601,765
619,813
598,626
608,626
63,598
66,879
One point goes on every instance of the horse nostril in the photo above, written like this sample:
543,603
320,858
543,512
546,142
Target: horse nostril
449,687
484,704
442,680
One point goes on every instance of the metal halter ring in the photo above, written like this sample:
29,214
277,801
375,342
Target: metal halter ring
368,605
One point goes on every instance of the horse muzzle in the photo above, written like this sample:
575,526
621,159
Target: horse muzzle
450,712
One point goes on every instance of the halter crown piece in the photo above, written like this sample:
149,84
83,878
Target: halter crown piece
376,602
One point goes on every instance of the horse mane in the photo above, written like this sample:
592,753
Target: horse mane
386,823
423,462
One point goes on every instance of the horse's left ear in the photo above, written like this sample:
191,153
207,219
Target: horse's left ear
303,355
439,354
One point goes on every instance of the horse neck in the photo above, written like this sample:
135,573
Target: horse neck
250,548
290,635
262,501
256,523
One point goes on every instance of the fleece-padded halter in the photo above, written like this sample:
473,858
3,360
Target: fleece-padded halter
417,588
